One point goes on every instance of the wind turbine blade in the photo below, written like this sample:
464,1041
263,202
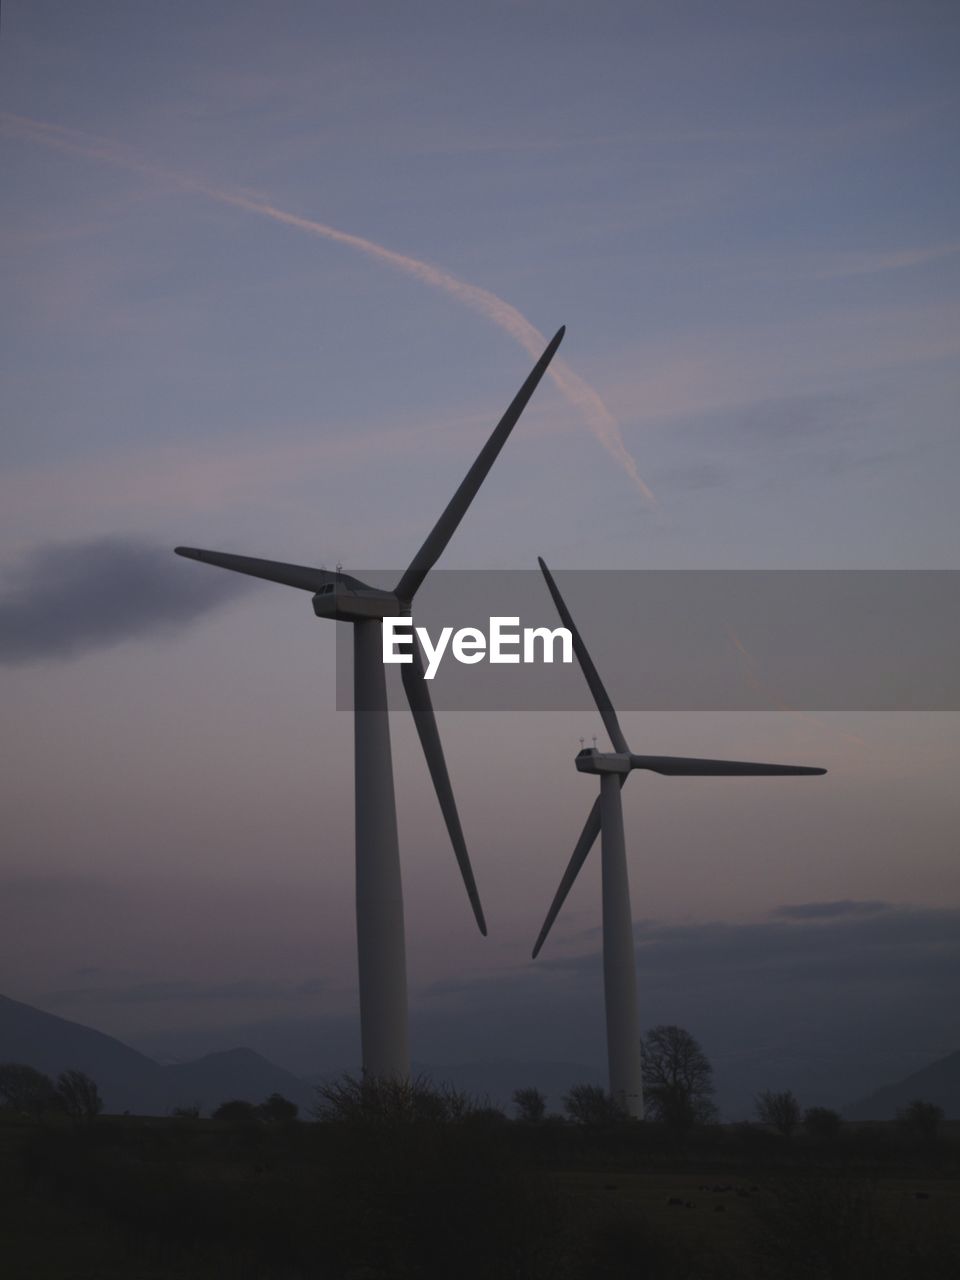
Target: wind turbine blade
290,575
588,836
600,695
422,708
443,530
684,767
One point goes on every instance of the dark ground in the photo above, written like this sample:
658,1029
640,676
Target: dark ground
147,1199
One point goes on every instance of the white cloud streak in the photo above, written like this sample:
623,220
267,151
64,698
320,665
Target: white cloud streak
572,387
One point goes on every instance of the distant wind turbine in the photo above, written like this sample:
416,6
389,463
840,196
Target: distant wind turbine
380,937
606,820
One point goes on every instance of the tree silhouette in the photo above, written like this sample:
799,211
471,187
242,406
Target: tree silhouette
921,1119
821,1122
81,1097
590,1105
371,1101
781,1111
677,1078
236,1111
278,1109
28,1091
531,1105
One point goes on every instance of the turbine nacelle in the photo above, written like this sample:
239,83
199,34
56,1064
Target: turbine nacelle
590,760
347,599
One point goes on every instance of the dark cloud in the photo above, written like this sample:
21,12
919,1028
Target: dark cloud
830,910
812,943
180,990
796,418
63,600
822,435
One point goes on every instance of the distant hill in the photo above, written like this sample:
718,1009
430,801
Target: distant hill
130,1081
939,1083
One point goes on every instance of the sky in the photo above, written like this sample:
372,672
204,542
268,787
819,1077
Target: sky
270,273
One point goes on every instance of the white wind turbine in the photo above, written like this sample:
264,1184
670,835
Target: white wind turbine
606,820
380,936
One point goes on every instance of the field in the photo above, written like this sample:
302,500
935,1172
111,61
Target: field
147,1199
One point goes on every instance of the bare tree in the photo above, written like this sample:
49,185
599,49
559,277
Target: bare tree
677,1078
368,1100
81,1097
781,1111
531,1105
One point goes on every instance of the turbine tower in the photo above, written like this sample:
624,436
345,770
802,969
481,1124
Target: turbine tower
606,819
380,937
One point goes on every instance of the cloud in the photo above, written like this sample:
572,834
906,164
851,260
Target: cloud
63,600
830,910
178,990
503,314
859,263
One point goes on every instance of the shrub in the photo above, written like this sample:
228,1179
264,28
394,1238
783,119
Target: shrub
531,1105
278,1109
781,1111
371,1101
28,1091
588,1104
80,1096
236,1111
821,1122
921,1119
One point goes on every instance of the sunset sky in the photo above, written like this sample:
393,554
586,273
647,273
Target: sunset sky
271,272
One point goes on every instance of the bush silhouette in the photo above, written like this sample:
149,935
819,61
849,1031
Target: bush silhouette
531,1105
588,1104
781,1111
821,1122
80,1095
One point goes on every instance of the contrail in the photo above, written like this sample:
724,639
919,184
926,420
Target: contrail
572,387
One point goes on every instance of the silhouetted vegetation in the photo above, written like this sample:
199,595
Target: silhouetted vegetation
590,1105
781,1111
80,1095
27,1091
278,1110
530,1105
237,1112
416,1180
921,1119
369,1101
822,1123
677,1078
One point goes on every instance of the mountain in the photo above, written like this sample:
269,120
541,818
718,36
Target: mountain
234,1073
130,1081
939,1082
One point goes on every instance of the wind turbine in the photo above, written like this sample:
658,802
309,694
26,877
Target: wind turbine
380,936
606,819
